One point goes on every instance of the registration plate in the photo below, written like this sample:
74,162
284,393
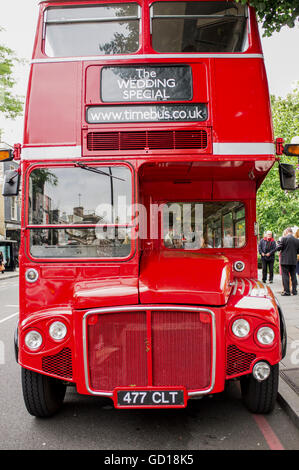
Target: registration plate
142,398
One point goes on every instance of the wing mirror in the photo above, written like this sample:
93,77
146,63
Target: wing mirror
287,175
287,172
12,178
11,184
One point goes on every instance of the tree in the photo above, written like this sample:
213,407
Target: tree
273,14
11,106
278,209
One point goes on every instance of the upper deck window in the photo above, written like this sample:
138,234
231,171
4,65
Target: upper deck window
92,30
198,27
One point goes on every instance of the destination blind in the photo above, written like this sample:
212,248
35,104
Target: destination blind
146,83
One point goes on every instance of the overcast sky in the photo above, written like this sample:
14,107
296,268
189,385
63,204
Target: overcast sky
19,18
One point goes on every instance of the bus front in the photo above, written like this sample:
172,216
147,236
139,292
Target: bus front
147,133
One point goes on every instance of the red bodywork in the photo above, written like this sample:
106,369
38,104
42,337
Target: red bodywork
159,319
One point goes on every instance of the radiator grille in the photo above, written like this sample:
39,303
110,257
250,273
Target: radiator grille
59,364
182,350
238,361
147,140
178,353
117,354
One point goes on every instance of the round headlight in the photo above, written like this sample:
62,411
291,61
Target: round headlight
31,275
265,335
241,328
58,330
33,340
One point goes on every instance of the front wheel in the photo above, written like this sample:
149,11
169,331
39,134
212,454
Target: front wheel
43,395
260,397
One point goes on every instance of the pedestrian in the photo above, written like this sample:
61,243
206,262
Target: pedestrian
289,247
267,248
284,234
297,266
2,267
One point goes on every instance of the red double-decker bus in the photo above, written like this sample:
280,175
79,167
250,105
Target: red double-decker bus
147,134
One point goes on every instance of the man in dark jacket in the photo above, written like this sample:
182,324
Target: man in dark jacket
267,248
289,247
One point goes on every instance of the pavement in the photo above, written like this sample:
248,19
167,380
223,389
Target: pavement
9,274
288,393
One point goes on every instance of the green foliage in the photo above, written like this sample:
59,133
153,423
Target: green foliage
11,106
278,209
273,14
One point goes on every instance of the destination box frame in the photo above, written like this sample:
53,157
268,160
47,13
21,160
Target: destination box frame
163,67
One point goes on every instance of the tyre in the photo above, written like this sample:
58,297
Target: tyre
260,397
43,395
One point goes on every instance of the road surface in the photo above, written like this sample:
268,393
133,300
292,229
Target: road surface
217,423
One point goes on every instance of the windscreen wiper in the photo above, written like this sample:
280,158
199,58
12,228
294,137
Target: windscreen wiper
96,170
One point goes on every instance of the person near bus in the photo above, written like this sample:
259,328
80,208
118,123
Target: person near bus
267,248
297,265
289,247
2,267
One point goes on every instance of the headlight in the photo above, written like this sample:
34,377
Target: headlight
57,330
33,340
265,335
241,328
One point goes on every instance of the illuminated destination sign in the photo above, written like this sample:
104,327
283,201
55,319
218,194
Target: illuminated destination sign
146,83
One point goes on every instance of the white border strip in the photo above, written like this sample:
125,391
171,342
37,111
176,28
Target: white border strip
70,152
116,58
243,148
42,153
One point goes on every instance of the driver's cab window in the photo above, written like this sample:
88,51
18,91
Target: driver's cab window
197,225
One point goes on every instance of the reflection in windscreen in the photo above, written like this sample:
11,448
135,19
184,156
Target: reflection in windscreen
77,195
92,30
196,225
99,242
89,197
199,27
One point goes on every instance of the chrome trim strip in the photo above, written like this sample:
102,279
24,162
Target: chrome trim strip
254,285
258,287
243,286
236,287
243,148
250,286
133,57
195,16
93,20
262,287
144,308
